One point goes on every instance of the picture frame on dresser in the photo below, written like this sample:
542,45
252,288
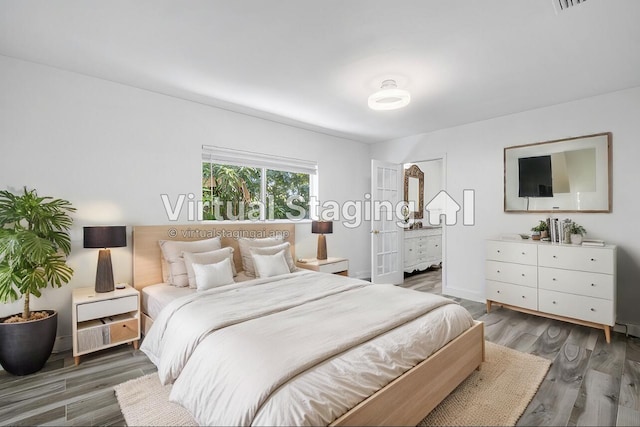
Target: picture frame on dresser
565,282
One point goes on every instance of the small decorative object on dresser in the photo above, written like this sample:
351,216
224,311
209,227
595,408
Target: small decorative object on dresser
542,229
576,231
103,320
570,283
330,265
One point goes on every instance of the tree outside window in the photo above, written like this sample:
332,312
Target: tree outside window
234,193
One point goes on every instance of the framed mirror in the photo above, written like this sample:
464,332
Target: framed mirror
414,189
565,175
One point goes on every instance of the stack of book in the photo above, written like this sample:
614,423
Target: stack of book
557,230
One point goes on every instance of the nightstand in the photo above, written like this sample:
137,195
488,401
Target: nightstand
103,320
330,265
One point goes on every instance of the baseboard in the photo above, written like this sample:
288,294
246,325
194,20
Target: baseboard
463,293
62,343
633,329
363,275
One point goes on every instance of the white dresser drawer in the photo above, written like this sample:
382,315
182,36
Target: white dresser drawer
521,253
577,307
597,260
521,296
110,307
595,285
519,274
434,248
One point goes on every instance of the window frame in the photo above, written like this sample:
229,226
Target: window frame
264,162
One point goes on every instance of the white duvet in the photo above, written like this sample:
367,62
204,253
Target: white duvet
301,349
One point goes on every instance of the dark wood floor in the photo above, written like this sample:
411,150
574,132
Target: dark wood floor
590,382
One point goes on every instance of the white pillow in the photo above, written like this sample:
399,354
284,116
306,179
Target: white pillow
271,250
245,253
206,258
210,276
270,265
172,253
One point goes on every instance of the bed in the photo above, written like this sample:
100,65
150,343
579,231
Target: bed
402,399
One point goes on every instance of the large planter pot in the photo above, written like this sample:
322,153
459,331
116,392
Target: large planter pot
26,346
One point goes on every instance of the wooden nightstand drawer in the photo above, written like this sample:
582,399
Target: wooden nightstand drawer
110,307
330,265
123,331
334,267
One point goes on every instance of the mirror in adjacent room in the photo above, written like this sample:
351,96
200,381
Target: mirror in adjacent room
566,175
414,189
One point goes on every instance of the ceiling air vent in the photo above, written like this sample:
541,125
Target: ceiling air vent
562,5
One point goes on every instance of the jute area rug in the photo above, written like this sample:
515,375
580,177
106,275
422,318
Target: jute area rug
497,395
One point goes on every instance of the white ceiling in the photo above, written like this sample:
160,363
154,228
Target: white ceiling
314,63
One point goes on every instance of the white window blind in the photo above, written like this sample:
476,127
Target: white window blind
233,157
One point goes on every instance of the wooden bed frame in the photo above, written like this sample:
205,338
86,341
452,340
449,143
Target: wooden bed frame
404,401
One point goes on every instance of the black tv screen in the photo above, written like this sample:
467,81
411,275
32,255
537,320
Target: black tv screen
534,177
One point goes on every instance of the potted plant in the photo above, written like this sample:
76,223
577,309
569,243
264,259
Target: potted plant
542,228
576,231
34,243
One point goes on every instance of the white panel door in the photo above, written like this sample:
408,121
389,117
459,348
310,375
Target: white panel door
386,234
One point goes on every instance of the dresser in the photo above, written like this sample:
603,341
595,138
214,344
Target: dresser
422,248
565,282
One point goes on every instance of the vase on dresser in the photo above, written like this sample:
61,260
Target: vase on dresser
576,239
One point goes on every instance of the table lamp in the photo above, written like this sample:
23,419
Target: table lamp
322,228
104,238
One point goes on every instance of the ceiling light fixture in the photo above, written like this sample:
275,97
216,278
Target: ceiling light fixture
389,97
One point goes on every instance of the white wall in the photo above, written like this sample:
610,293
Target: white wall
112,150
474,160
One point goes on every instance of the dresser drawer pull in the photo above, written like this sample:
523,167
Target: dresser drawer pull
593,284
555,256
593,259
554,302
554,279
498,250
497,271
523,253
593,309
522,274
523,296
498,291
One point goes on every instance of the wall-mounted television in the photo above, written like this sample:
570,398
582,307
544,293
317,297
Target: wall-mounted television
535,177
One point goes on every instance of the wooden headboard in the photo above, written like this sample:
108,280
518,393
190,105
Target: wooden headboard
147,265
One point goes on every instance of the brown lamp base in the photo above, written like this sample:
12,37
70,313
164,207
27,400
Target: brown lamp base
322,247
104,273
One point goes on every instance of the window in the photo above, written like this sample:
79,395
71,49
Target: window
239,185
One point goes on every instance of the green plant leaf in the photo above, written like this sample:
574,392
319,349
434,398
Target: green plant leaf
34,239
